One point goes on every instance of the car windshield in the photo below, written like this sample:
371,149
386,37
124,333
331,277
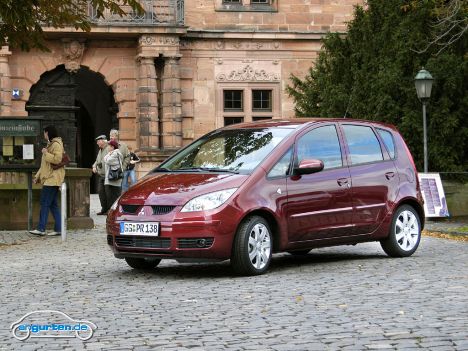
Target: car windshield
236,151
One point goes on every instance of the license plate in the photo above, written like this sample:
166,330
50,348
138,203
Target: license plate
139,228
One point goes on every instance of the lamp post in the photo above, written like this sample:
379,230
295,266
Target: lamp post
423,82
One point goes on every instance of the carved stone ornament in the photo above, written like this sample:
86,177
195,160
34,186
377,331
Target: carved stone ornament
219,45
153,40
248,74
73,53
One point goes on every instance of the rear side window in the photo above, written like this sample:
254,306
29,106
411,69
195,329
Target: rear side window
364,147
387,138
321,144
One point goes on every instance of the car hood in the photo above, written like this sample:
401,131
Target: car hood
177,188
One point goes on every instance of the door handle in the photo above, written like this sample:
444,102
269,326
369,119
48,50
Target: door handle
389,175
342,181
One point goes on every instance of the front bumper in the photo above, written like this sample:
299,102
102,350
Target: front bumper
180,236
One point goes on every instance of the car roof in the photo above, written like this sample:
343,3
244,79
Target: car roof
295,123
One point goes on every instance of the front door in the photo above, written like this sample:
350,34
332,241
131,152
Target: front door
320,205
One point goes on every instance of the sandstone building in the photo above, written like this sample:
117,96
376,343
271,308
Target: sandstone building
166,77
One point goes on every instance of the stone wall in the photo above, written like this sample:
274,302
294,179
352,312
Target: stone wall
114,60
282,15
456,194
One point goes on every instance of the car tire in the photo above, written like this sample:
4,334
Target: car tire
299,252
253,247
142,263
405,233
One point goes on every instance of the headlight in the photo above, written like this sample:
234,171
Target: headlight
208,201
115,204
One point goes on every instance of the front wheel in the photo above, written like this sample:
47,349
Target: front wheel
142,263
252,248
405,233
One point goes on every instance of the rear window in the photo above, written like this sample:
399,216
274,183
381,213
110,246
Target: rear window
364,147
387,138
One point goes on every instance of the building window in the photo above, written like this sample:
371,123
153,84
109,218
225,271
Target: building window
261,100
259,118
233,100
246,102
246,5
232,120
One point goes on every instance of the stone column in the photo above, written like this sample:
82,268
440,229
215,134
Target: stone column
171,104
147,100
5,82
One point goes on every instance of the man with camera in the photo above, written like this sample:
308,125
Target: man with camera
98,168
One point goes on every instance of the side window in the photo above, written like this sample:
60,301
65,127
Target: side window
281,168
321,144
364,147
387,137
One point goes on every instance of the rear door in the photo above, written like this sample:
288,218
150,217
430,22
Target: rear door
373,175
319,205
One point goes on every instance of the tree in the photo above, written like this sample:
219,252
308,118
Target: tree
449,25
22,21
369,74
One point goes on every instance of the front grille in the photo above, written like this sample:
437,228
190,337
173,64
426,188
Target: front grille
130,208
162,210
110,240
194,243
136,241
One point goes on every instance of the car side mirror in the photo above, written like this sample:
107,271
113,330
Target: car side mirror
309,167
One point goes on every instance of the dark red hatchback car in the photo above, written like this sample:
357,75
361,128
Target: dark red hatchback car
248,190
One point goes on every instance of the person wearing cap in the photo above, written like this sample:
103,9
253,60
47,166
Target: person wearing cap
112,160
99,170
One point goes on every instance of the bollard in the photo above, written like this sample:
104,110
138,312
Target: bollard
63,213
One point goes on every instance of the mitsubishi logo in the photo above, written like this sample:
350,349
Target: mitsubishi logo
142,211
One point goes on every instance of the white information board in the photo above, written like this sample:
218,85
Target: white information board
28,152
435,204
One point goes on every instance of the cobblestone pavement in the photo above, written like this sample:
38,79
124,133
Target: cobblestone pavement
340,298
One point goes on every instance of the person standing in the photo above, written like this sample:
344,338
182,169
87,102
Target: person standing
123,148
98,169
113,159
51,179
130,171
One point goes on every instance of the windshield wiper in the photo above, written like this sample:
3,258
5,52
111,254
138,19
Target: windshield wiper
204,169
161,169
221,170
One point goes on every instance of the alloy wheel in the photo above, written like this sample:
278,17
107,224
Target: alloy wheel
407,230
259,246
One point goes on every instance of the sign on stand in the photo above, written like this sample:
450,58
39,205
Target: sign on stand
435,203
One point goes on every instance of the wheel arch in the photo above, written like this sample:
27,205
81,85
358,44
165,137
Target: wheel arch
416,205
272,223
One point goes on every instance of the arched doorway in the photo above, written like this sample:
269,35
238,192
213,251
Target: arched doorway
81,105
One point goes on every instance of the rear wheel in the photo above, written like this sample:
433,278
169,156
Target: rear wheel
252,247
405,233
142,263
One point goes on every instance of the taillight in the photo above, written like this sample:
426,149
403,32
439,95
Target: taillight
410,157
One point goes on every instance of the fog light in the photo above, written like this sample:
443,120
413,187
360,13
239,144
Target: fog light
201,242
